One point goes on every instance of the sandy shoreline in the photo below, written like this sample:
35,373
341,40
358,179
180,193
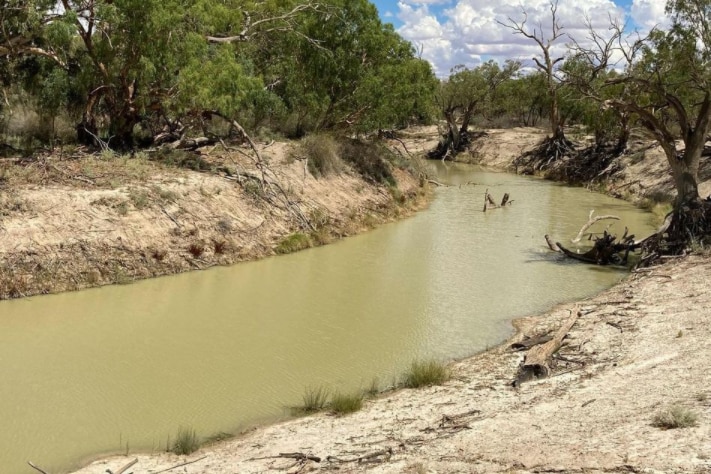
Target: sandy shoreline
638,349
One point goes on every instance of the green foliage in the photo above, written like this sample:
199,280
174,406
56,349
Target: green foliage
129,68
342,404
293,243
186,442
369,159
425,373
675,416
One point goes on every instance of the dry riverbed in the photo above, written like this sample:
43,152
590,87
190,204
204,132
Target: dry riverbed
637,350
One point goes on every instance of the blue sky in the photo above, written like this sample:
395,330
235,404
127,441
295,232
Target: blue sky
452,32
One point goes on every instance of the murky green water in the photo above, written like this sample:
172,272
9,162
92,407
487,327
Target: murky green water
122,368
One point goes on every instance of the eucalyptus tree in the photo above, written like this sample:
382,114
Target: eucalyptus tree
356,73
465,93
524,100
549,65
30,27
665,86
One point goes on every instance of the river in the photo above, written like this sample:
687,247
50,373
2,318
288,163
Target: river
123,368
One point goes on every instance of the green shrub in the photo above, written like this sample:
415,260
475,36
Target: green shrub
293,243
675,416
369,159
424,374
187,442
342,404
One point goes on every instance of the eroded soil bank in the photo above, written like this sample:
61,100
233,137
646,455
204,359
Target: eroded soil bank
637,350
72,222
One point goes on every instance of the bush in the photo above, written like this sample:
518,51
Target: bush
424,374
293,243
187,442
322,154
369,159
342,404
675,417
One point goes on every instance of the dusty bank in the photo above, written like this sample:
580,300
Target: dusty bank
71,221
634,366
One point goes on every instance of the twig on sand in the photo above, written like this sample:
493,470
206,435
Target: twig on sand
181,465
123,469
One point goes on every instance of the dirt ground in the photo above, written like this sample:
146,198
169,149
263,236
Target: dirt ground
70,222
637,351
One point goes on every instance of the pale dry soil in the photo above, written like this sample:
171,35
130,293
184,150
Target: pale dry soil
68,223
637,349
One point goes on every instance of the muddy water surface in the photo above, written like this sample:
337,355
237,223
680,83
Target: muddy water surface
122,368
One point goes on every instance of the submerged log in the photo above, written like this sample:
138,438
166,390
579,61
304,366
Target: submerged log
605,251
537,363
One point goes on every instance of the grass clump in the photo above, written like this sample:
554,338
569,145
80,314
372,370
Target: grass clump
675,416
314,399
293,243
322,154
425,374
186,442
342,404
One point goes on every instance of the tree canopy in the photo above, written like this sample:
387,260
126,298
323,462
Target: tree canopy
128,69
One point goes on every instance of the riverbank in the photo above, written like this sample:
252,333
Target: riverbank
638,350
70,221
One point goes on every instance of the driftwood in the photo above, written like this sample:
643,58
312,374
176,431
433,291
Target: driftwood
591,221
552,245
528,343
605,251
537,363
489,202
374,457
186,463
123,469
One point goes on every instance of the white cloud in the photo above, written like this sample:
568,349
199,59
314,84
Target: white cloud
468,31
647,14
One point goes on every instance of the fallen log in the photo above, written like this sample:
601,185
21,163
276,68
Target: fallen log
605,251
528,343
537,363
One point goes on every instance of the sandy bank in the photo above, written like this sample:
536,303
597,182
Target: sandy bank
69,222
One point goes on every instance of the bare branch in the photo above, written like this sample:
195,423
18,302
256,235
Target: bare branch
251,28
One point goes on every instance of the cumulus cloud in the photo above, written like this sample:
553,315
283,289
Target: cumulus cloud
647,14
471,31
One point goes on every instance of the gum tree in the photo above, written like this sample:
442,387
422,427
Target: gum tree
548,64
464,94
666,88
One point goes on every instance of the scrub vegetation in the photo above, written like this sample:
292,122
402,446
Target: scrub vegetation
425,373
186,442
